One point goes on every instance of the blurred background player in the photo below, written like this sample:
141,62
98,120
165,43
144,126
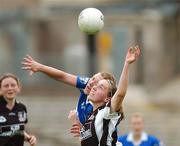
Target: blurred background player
137,136
84,84
13,114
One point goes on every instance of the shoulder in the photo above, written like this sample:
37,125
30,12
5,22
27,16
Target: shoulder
153,139
122,138
105,111
81,82
21,105
2,101
83,79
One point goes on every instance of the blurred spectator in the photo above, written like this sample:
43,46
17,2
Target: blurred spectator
137,136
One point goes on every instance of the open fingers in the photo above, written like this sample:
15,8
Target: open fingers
26,60
26,68
75,131
130,49
29,57
75,127
76,124
138,51
25,63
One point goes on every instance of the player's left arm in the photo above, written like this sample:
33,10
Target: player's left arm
117,99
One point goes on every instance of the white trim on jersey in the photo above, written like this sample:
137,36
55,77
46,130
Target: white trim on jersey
144,137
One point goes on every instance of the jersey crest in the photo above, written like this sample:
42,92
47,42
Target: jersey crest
85,132
2,119
22,116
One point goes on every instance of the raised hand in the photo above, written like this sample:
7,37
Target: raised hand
30,64
72,116
132,54
75,129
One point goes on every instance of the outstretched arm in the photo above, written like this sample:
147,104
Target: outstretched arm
117,99
33,66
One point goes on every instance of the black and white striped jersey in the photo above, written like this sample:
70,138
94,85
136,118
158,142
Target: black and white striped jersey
12,124
101,128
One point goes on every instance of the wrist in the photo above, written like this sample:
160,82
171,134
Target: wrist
40,67
126,63
27,137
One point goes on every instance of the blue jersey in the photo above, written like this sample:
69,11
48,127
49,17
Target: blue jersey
84,108
146,140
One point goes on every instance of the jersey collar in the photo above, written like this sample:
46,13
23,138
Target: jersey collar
144,137
4,102
99,108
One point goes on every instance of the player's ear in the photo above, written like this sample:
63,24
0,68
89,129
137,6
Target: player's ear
19,88
107,99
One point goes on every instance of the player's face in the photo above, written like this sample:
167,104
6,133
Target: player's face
9,88
99,92
137,125
97,77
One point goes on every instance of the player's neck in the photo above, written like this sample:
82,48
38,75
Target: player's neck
97,105
137,137
10,103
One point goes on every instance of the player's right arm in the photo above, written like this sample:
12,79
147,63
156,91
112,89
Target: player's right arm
33,66
117,99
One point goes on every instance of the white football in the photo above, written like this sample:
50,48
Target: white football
91,20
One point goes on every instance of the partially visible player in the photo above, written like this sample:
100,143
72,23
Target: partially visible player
84,84
13,114
137,136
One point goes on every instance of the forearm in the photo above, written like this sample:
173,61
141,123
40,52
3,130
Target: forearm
58,75
123,81
26,136
121,89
